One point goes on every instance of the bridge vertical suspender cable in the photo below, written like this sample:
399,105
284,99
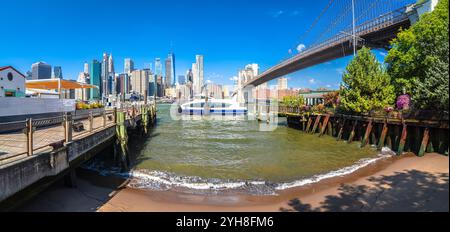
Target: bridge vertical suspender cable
354,28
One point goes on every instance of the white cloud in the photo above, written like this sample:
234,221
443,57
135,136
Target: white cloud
328,86
300,48
208,81
383,54
312,81
277,14
295,13
235,78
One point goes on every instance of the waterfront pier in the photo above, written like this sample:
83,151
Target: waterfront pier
37,152
419,132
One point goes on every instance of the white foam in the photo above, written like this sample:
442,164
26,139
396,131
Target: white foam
145,179
341,172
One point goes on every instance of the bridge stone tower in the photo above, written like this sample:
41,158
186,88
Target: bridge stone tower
414,12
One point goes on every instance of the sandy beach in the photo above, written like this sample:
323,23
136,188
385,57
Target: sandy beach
406,183
399,184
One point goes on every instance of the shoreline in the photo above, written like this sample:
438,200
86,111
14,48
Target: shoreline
312,196
406,183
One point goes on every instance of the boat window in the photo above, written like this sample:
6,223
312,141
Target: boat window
220,105
198,105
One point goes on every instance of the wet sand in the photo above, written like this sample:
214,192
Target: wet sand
406,183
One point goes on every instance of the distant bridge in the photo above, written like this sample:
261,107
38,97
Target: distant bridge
374,33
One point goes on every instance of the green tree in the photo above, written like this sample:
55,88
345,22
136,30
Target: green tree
293,101
366,85
418,60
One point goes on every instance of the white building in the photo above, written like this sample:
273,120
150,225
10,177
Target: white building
248,73
139,81
198,75
183,92
214,91
128,66
282,83
83,94
12,82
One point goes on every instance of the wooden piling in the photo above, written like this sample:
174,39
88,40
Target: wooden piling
341,130
367,134
316,123
330,128
352,133
424,144
383,136
309,124
122,139
401,145
324,126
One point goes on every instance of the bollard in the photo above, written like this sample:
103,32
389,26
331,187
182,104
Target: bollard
115,115
68,127
29,132
104,118
91,121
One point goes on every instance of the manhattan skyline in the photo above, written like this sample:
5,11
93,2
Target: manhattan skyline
229,34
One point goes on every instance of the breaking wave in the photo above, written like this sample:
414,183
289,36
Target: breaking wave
158,180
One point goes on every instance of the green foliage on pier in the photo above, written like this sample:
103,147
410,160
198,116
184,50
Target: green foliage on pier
366,85
418,61
293,101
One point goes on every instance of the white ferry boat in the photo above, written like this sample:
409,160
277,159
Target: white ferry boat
211,106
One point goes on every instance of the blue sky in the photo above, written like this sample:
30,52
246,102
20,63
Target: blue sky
230,34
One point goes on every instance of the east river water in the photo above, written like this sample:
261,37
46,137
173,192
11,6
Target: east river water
205,155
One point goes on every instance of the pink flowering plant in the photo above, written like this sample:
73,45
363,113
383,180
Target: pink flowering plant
403,102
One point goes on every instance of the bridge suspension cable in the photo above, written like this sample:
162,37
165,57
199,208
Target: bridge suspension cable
341,16
317,19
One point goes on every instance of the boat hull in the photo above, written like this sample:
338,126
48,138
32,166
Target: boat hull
214,112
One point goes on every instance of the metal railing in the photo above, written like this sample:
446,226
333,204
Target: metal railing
32,136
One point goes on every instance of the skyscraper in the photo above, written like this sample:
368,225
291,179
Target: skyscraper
282,83
158,67
128,66
197,71
189,76
57,72
112,76
96,79
86,67
170,70
123,84
152,85
182,79
105,76
41,70
140,81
